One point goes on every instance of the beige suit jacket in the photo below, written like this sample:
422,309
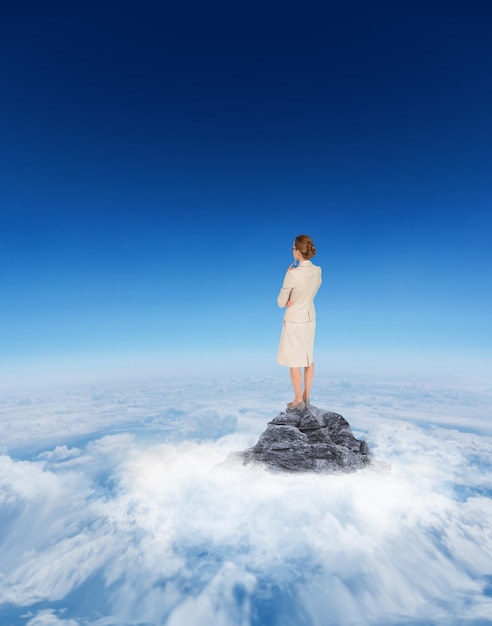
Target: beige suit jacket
300,285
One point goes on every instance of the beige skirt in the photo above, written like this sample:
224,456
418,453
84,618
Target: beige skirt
296,345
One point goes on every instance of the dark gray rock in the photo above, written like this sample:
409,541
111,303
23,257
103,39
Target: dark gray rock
308,440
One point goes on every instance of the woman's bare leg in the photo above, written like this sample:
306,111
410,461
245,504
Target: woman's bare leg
296,378
308,380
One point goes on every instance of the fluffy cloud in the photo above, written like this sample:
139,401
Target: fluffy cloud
151,526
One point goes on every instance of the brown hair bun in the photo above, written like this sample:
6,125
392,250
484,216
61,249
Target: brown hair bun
305,245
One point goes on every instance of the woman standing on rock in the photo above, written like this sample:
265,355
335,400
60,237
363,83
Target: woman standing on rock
301,283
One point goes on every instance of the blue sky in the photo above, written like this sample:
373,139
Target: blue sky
157,161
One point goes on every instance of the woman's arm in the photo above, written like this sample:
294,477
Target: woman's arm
286,289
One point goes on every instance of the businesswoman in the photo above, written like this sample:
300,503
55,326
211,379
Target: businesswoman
300,286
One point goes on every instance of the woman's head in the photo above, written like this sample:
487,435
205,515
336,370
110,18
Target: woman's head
305,245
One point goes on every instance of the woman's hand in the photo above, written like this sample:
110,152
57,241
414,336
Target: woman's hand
289,303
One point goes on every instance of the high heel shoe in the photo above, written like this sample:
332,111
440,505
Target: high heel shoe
307,402
292,407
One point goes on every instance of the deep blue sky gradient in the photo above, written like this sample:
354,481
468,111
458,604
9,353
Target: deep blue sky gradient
157,160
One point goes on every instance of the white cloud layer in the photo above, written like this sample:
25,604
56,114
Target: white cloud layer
116,508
